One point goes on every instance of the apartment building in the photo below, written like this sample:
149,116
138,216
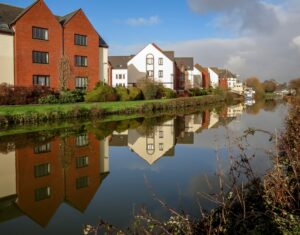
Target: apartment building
36,47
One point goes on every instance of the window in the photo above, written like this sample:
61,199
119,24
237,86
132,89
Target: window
81,82
150,73
81,61
161,147
160,73
117,76
42,193
41,80
39,33
82,182
42,170
120,76
82,140
42,148
82,162
150,59
80,40
39,57
150,146
160,61
161,134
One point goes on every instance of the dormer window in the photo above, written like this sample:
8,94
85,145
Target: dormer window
40,33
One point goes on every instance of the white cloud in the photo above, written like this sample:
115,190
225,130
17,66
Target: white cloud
141,21
296,42
236,63
266,43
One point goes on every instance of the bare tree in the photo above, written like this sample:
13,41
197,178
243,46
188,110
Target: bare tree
65,72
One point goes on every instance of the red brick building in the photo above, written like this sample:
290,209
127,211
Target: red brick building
58,170
41,41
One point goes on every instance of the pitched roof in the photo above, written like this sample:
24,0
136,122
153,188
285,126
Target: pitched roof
10,14
223,73
200,67
169,54
102,43
65,19
187,62
119,62
7,15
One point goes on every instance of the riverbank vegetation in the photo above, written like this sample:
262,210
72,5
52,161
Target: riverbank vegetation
248,204
28,114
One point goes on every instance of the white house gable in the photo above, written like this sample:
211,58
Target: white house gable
214,78
151,63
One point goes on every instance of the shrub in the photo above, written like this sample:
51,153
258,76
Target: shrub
101,93
63,98
50,99
149,88
135,93
122,93
166,93
71,96
16,95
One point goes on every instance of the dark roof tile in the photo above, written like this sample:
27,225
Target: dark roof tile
119,62
187,62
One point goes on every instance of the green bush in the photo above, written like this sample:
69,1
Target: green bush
122,93
63,98
135,93
149,88
166,93
71,96
50,99
197,92
101,93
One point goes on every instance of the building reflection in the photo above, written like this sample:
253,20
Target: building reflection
161,140
35,180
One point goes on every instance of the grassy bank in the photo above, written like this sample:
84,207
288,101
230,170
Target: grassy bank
29,114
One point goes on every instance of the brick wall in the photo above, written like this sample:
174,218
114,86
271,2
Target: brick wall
39,16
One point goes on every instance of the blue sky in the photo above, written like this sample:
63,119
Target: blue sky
250,37
176,21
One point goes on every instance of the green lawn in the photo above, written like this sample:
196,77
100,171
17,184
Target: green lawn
108,106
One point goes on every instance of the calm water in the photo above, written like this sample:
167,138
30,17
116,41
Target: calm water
54,182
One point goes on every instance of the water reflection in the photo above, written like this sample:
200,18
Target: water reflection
36,179
160,141
40,172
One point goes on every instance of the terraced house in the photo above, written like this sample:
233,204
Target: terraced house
155,64
35,44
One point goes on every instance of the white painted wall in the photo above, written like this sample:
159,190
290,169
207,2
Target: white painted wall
7,174
6,59
116,81
214,78
214,118
190,74
103,65
154,146
137,67
197,77
104,156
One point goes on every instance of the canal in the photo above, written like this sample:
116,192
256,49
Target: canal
54,182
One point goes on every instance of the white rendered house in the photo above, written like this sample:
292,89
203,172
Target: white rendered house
119,71
214,78
155,145
152,63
